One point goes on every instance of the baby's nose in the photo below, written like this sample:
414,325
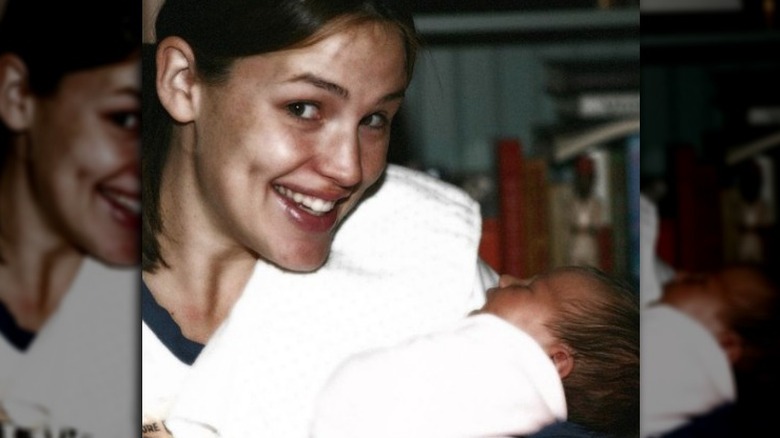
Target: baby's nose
508,280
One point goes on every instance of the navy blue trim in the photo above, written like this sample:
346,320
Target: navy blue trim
566,429
17,336
162,324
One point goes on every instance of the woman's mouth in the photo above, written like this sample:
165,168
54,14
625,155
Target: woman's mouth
310,204
125,207
310,213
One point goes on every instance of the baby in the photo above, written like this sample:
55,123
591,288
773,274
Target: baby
710,342
563,345
709,345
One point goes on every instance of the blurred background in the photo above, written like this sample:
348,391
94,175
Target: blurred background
533,108
711,126
710,117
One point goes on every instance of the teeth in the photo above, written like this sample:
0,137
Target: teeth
314,205
129,203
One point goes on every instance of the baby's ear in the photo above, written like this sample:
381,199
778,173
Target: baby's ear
731,343
562,359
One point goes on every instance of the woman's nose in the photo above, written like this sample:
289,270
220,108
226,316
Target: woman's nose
342,162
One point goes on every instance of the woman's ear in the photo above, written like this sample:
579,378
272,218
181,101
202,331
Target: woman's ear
177,86
562,359
16,103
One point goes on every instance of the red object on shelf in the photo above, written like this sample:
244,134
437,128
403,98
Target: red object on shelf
509,156
490,244
699,233
666,241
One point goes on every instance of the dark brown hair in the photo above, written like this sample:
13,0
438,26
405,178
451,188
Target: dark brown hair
602,330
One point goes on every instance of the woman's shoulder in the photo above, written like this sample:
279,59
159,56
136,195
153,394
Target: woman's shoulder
410,192
426,185
422,187
410,212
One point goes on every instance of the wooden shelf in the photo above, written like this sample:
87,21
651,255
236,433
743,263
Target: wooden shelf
725,47
517,26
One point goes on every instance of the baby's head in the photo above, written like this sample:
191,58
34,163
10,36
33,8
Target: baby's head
738,304
588,323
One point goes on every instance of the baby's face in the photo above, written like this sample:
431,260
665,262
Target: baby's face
709,298
532,304
701,297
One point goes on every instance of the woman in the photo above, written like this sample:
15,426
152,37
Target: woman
274,125
70,207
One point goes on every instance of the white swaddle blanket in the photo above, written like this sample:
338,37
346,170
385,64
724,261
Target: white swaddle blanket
482,377
404,263
82,366
649,283
685,372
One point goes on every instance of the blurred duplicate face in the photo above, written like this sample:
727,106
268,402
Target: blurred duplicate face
701,296
714,298
290,142
84,160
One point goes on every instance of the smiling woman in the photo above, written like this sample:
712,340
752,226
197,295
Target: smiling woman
69,207
265,178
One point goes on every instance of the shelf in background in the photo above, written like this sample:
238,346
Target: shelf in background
517,26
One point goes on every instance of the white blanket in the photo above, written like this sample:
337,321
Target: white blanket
483,377
685,372
649,284
404,263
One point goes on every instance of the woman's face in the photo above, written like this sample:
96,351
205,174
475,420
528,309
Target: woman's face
84,160
291,141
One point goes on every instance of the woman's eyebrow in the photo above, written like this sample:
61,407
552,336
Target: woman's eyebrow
394,96
339,90
128,91
322,83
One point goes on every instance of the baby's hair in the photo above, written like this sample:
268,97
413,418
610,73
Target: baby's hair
751,310
601,327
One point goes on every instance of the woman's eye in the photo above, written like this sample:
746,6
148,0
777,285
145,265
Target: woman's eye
376,121
304,110
127,120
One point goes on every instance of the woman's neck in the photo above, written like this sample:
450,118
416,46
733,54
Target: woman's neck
206,271
37,265
197,292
